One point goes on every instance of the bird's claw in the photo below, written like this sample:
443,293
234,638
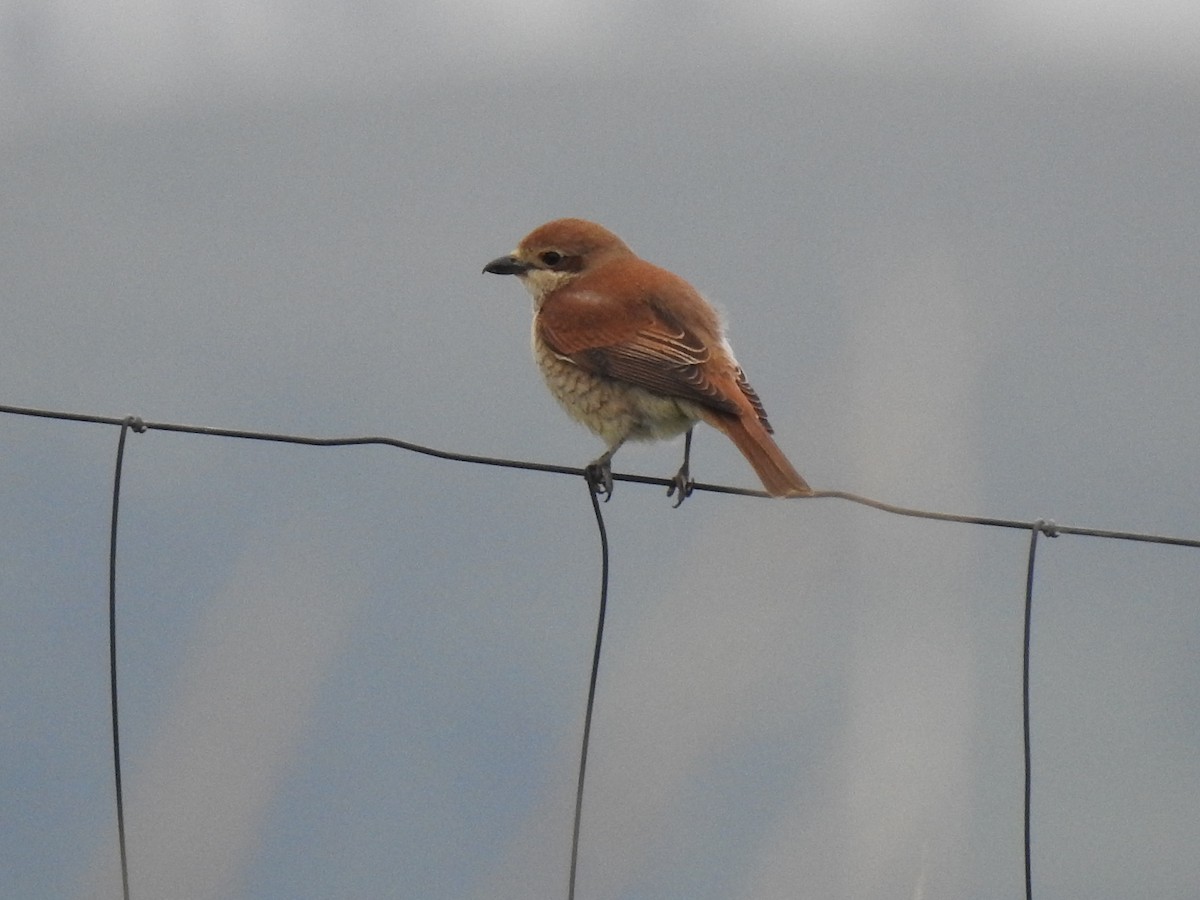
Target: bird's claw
684,484
599,478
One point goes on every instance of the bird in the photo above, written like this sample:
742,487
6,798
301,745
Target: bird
634,352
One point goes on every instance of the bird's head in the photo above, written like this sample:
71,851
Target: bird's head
556,253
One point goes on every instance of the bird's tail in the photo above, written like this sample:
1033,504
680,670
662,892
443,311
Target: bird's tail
774,470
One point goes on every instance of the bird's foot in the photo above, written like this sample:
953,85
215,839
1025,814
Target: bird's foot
599,477
683,484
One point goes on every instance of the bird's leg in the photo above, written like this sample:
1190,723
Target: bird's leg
683,481
599,472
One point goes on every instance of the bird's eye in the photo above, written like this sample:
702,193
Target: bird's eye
552,257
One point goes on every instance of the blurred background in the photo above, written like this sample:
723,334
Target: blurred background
956,244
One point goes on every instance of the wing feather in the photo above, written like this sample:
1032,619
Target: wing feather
635,343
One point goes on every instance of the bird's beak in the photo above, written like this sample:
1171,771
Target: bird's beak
506,265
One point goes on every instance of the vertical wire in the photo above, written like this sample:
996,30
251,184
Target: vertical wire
591,698
1038,526
112,653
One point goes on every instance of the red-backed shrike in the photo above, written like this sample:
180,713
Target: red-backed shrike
635,353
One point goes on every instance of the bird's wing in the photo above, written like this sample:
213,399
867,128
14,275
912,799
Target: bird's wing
639,342
752,395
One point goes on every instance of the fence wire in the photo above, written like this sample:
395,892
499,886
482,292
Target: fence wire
1036,528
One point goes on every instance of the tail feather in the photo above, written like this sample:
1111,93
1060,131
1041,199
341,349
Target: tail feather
773,468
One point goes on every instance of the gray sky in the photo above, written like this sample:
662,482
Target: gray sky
956,248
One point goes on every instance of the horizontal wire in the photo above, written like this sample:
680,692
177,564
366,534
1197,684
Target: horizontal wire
1048,528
